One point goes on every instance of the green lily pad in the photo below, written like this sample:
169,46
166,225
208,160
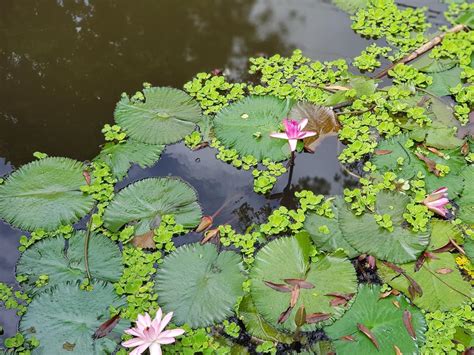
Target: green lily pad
145,201
466,202
45,194
120,157
442,232
442,284
165,116
383,319
326,232
64,319
365,235
443,81
51,257
350,6
288,258
199,285
246,126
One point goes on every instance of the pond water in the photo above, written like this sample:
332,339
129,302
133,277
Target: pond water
64,64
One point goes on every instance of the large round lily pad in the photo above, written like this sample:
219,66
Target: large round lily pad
51,257
165,116
246,126
64,319
364,234
288,258
45,194
384,319
199,285
145,201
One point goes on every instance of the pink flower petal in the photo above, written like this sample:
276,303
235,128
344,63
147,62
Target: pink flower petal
306,134
134,331
440,211
143,321
439,203
133,343
293,143
159,314
172,333
166,340
279,135
164,322
302,124
155,349
140,350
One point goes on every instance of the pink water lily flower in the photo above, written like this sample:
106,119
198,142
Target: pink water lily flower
437,201
149,334
294,132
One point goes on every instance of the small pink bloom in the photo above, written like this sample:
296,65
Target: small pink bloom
294,132
437,201
149,333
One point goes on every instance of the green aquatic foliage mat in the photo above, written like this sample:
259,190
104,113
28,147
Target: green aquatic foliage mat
385,320
199,284
288,258
442,285
368,237
121,156
164,116
350,6
247,124
144,203
63,261
64,319
326,232
45,194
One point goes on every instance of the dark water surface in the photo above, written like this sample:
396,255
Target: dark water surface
64,64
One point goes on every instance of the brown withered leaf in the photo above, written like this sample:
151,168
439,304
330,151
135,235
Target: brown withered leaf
206,222
106,327
414,288
436,152
444,271
430,164
408,324
396,304
317,317
321,120
278,287
368,334
465,148
69,346
382,152
299,282
295,293
347,338
422,258
389,293
87,176
284,315
336,88
144,241
339,298
397,350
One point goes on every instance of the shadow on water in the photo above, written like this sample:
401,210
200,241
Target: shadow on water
64,64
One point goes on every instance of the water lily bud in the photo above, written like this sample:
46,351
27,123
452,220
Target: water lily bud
205,223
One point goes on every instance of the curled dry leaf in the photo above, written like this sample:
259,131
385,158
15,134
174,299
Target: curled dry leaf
295,293
144,241
408,324
210,234
317,317
321,120
397,350
339,298
388,293
382,152
396,304
284,315
348,338
444,271
368,334
430,164
299,282
278,287
300,318
87,177
206,222
106,327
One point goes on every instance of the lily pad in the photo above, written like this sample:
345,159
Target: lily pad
384,321
45,194
442,232
442,285
246,126
165,116
351,6
466,202
51,257
145,201
288,258
200,285
64,319
444,80
321,120
326,232
120,157
365,235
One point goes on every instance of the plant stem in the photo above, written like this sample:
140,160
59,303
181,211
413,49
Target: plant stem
86,250
421,50
292,165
